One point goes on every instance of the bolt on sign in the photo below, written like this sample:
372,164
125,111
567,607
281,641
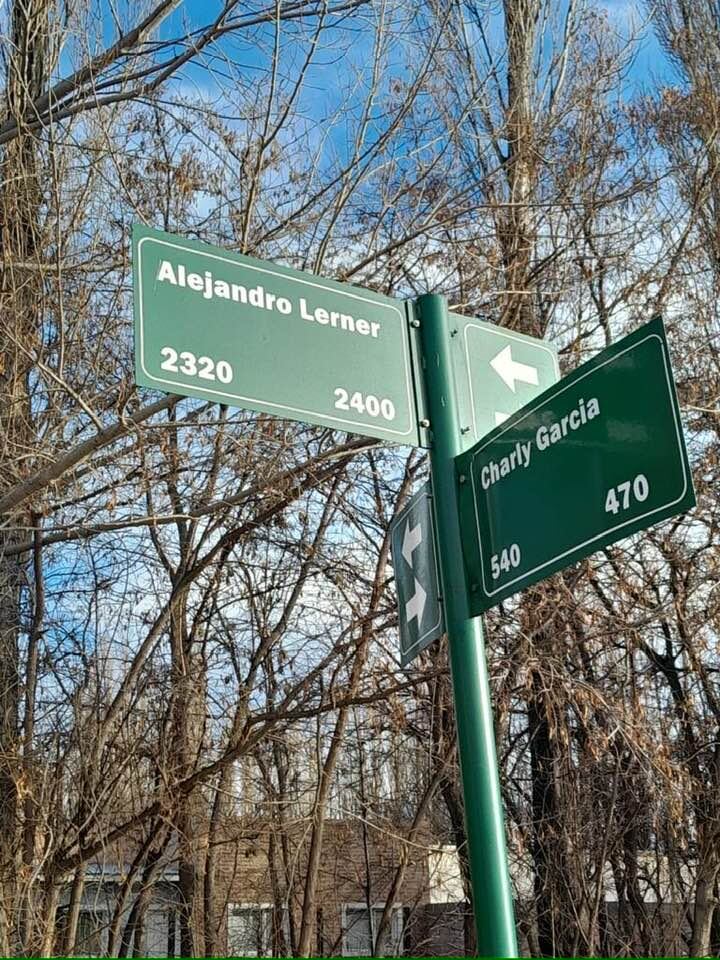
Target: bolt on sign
593,459
412,543
240,331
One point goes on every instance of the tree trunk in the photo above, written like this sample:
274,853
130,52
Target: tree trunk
411,840
19,240
517,231
49,919
191,822
73,912
308,925
309,908
705,904
546,825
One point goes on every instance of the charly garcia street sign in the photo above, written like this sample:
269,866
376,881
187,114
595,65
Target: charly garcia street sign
225,327
593,459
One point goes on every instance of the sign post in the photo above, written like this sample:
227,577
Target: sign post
593,459
492,897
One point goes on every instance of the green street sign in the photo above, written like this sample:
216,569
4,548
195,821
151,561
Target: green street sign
497,371
598,456
225,327
412,543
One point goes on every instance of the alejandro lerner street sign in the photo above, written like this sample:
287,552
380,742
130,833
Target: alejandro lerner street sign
225,327
591,460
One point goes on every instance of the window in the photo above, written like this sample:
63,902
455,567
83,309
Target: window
359,931
445,875
249,929
158,934
90,936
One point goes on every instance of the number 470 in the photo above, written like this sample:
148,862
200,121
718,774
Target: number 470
621,496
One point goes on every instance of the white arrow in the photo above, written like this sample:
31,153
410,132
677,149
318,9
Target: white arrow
511,370
411,540
501,417
416,604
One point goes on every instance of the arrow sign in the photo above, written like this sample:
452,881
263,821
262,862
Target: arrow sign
593,459
511,370
412,537
524,366
411,541
416,604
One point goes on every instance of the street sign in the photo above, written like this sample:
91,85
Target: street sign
497,371
591,460
225,327
412,542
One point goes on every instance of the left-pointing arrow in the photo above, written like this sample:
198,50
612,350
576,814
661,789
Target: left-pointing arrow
510,370
416,604
411,540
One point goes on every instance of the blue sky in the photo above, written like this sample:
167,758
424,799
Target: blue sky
629,17
650,67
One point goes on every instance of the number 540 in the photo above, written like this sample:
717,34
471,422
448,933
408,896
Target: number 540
504,561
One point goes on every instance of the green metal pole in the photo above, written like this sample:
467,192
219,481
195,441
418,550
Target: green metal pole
484,823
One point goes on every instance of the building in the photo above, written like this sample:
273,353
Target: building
357,869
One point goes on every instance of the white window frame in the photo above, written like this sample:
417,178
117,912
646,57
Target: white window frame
102,916
396,924
160,912
267,930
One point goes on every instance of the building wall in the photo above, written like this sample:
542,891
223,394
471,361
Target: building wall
97,908
354,869
358,865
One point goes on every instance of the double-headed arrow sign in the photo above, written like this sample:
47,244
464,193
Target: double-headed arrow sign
412,542
412,539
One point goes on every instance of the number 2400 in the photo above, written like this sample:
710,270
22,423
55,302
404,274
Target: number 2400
364,403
